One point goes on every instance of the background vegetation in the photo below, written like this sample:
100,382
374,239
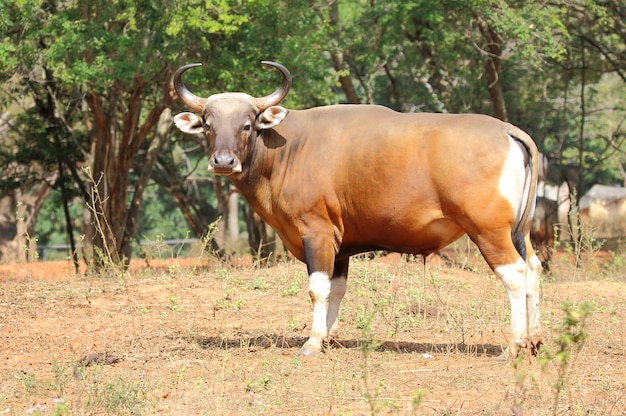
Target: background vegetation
89,156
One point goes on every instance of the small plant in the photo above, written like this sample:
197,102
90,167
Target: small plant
293,324
117,396
584,243
207,242
60,408
569,342
259,284
30,383
259,385
29,246
60,379
174,306
367,346
293,289
571,339
223,274
157,248
228,300
418,399
618,262
106,255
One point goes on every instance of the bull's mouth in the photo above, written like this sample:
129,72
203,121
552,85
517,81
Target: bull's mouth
222,172
225,170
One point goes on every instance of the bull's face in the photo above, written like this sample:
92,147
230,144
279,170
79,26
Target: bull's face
230,121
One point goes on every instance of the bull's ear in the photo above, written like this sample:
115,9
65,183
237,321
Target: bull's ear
188,123
271,117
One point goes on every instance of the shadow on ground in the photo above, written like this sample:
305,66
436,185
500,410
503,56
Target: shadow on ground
282,341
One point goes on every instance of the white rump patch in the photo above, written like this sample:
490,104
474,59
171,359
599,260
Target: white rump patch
513,179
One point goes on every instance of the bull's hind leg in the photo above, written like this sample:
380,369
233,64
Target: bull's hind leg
521,281
533,279
338,286
513,277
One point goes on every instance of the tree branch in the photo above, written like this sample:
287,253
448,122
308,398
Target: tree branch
615,65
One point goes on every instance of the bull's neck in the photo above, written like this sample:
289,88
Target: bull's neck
264,171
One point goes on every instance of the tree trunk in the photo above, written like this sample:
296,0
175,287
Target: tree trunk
337,57
622,173
492,68
434,81
113,152
233,220
69,228
8,251
101,142
164,126
29,203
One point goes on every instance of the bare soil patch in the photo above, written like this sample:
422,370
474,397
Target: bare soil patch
197,337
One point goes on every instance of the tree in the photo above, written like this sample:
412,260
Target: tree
41,146
86,85
118,55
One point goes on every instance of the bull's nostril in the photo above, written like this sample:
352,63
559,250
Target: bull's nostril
224,160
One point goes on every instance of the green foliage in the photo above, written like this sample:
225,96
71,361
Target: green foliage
160,217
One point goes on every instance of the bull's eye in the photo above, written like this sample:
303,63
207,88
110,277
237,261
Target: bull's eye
247,127
206,126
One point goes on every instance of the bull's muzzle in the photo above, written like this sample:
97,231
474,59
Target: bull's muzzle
224,163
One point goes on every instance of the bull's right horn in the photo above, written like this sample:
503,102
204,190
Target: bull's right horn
192,101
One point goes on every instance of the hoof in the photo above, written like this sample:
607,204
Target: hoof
535,346
308,351
519,347
504,357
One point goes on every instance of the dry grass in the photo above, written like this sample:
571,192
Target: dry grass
223,340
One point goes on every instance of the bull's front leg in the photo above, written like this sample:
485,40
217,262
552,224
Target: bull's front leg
319,291
327,286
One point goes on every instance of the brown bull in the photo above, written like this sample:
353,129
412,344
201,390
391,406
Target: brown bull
340,180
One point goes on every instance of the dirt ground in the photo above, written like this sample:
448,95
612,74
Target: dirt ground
196,336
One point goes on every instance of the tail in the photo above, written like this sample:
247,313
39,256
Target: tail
522,227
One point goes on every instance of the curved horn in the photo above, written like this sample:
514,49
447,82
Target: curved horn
277,96
192,101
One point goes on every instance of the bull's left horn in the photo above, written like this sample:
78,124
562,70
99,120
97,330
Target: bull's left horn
192,101
277,96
